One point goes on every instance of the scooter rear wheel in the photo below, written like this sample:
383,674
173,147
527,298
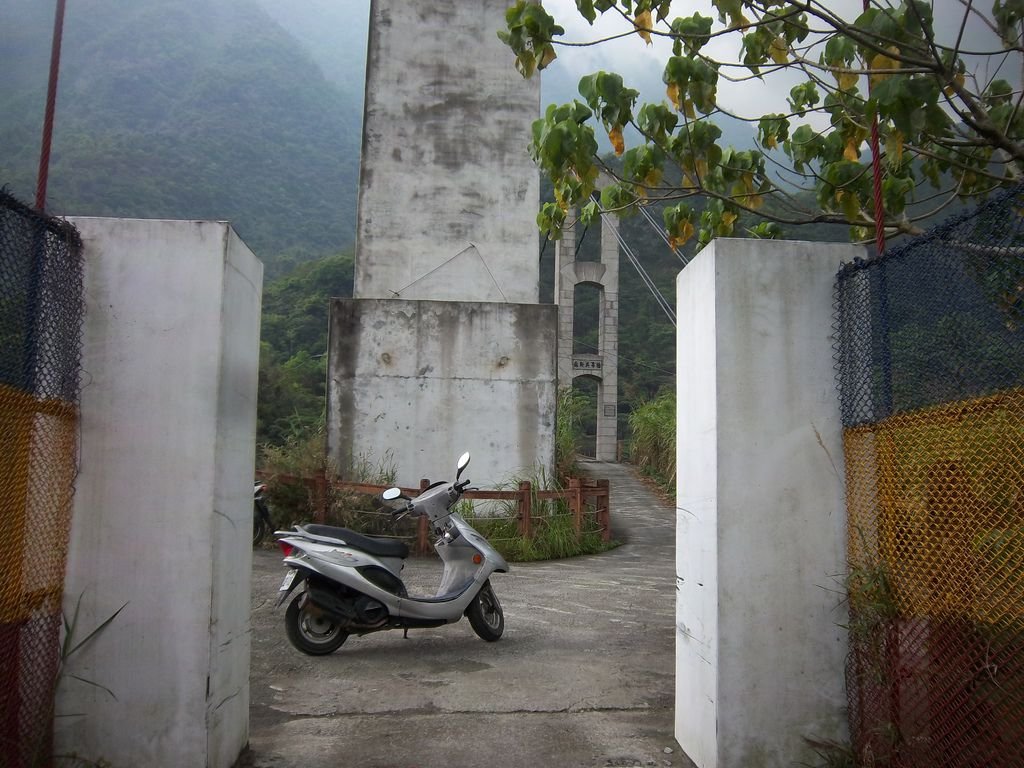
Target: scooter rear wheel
259,528
310,630
485,614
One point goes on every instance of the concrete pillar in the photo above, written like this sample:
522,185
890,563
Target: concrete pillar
436,378
761,527
603,365
607,406
163,506
447,190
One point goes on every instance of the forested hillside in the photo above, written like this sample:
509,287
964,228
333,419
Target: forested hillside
183,109
293,361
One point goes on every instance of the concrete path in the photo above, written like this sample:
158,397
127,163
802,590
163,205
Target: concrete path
582,677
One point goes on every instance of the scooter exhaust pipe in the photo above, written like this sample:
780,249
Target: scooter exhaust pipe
363,613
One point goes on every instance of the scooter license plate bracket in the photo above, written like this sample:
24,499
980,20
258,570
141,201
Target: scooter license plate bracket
286,586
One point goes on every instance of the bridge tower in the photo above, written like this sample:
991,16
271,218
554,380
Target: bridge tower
601,364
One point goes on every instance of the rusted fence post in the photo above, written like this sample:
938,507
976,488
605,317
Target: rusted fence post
604,502
320,496
576,503
526,510
423,526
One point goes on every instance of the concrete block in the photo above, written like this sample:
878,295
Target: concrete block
423,381
761,525
163,506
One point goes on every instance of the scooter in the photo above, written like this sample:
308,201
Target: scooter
261,524
353,583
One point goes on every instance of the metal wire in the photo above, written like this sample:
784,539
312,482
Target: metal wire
40,353
930,368
665,304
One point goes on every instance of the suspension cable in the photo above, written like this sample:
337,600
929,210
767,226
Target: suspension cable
664,303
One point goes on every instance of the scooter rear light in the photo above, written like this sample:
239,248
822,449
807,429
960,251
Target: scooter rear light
286,548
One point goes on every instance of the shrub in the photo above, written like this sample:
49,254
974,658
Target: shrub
553,531
570,410
653,448
304,455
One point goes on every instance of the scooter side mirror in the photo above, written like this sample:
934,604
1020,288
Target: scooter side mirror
462,464
391,494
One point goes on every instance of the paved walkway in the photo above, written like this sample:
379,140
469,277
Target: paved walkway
582,677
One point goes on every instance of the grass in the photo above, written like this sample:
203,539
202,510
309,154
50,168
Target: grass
553,530
304,455
653,447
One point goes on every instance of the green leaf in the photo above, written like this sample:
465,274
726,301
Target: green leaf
773,129
586,9
803,96
589,211
529,32
692,33
657,121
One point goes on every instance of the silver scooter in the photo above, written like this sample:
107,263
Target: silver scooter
353,583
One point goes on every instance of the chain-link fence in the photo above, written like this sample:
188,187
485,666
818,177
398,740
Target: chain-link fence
40,354
930,357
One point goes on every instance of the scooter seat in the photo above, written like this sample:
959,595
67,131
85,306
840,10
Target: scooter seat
368,544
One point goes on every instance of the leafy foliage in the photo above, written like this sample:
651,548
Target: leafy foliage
653,447
293,350
942,122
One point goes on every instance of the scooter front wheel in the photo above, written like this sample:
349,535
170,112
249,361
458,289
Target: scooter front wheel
485,614
310,630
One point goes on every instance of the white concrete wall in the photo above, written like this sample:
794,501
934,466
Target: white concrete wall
163,506
761,527
427,380
448,195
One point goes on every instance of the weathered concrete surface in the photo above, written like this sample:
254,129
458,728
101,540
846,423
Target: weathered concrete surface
163,502
420,382
447,192
582,677
761,532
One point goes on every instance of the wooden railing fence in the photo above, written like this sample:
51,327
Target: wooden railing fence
585,498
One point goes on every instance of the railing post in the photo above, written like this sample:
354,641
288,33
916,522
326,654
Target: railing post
525,510
604,504
576,503
320,496
423,526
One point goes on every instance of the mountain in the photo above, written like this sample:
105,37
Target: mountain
334,32
183,109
